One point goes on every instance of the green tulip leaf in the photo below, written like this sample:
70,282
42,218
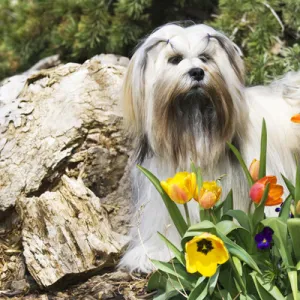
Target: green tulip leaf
227,205
200,291
297,189
187,280
293,277
239,252
199,179
285,210
212,283
167,286
259,212
173,210
238,265
263,151
242,163
241,217
202,226
280,238
177,253
226,227
294,231
289,185
265,289
291,297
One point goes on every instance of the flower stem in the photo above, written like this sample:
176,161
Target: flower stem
213,216
249,207
187,214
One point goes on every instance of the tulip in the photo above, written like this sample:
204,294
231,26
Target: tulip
254,169
181,187
275,191
210,194
203,254
295,118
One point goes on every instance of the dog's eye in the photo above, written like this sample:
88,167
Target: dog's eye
175,60
204,58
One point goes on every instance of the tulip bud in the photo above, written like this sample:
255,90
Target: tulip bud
254,169
295,118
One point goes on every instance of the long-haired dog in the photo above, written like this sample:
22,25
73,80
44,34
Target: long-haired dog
184,98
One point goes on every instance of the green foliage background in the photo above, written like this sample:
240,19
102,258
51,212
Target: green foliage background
268,31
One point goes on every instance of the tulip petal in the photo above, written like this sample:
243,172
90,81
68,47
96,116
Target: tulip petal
274,202
203,254
209,194
191,182
165,186
178,194
207,200
256,192
180,188
268,179
207,270
296,118
254,169
275,192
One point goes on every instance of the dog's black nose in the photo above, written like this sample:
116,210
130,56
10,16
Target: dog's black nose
196,74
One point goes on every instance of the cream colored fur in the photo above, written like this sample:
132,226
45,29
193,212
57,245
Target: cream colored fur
149,68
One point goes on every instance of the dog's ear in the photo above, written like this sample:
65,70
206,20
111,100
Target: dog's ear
238,50
133,94
234,54
134,106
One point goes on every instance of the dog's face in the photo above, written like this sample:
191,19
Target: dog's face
183,94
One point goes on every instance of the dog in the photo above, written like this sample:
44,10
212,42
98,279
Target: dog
183,98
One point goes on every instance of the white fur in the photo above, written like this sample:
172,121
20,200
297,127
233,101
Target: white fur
276,103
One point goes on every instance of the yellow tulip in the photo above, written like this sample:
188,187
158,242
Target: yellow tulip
181,187
203,254
210,194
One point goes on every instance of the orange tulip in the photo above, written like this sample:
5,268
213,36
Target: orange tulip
210,194
296,118
254,169
275,191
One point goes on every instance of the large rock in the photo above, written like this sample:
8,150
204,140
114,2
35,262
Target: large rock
64,161
67,233
49,121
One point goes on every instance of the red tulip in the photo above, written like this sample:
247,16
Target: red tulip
275,191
